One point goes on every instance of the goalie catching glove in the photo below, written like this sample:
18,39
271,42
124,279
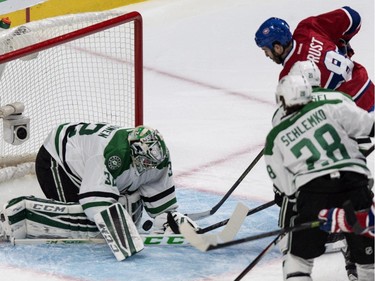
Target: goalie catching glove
167,223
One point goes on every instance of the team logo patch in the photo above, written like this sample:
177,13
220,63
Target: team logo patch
114,162
266,31
369,251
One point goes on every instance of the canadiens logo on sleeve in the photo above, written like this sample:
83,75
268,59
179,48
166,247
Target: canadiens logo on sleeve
114,162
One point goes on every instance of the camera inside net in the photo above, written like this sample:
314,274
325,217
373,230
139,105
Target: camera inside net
16,129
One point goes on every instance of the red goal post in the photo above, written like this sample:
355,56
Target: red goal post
75,68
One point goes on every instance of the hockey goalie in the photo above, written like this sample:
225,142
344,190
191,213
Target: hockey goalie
98,178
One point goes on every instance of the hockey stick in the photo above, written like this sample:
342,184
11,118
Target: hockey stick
352,219
202,215
227,234
259,257
285,230
148,240
201,242
224,222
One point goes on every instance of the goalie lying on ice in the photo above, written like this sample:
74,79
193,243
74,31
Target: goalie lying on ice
99,176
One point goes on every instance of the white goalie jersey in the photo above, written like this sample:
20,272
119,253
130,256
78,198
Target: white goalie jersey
315,141
97,158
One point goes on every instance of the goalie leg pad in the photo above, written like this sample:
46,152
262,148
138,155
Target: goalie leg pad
31,217
119,231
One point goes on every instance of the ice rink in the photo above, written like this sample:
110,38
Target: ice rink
210,91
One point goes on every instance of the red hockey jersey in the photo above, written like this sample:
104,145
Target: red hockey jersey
317,39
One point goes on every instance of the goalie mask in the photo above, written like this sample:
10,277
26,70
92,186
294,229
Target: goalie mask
148,148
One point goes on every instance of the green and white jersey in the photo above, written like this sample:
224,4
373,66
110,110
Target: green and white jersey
318,94
315,141
97,158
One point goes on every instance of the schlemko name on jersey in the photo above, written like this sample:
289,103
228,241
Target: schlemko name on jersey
305,125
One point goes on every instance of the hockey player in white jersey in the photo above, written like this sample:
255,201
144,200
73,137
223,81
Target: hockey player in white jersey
106,175
311,155
310,71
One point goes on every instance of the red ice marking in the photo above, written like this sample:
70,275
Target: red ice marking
208,86
217,162
180,178
245,96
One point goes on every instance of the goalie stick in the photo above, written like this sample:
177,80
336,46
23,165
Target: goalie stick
202,215
148,240
224,222
205,243
227,234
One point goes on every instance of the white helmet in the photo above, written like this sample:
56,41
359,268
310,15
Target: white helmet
148,148
308,69
294,90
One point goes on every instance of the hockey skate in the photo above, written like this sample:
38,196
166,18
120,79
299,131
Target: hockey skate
351,269
336,242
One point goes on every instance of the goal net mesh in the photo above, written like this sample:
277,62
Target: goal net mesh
94,76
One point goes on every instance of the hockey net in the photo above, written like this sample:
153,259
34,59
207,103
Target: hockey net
76,68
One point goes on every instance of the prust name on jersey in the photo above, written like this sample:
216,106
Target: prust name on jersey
315,50
302,126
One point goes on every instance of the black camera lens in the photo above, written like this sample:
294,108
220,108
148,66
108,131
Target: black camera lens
21,132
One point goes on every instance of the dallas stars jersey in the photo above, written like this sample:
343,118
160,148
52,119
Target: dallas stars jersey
316,141
316,38
97,158
318,94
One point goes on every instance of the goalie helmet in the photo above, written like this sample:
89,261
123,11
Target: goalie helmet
309,70
293,90
273,30
148,148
